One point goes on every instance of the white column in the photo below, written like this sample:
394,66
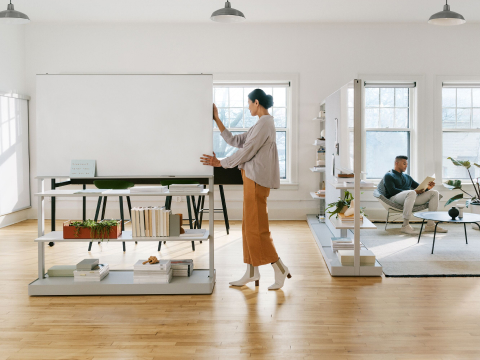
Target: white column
41,228
211,218
357,168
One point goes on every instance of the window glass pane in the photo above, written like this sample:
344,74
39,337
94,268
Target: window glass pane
382,148
282,152
279,97
464,97
448,118
350,117
463,118
372,96
371,118
476,97
401,117
249,119
387,97
280,117
460,146
476,119
236,97
221,148
268,91
236,117
350,98
401,97
351,143
221,97
223,115
449,97
386,117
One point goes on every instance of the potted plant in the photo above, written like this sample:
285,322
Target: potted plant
90,229
340,206
474,199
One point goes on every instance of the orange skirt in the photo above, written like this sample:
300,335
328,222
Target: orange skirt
258,248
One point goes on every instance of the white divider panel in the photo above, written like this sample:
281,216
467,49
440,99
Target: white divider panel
129,124
14,157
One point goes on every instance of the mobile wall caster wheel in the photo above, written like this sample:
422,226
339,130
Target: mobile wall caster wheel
51,243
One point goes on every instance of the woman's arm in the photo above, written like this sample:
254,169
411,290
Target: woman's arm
232,140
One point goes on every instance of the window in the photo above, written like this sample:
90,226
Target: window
461,129
232,103
388,124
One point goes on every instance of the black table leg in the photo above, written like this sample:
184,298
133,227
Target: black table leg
434,233
224,208
465,227
52,225
421,228
122,219
84,208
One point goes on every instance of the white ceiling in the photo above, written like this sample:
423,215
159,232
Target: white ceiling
256,11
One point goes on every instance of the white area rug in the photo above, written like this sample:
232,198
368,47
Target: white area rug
400,255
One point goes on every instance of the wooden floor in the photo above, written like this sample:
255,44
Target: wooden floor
314,316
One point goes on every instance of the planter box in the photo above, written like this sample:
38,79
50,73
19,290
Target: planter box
84,233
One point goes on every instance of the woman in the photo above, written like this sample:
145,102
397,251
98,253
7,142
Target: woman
257,158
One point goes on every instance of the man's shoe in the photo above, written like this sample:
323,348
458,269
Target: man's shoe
432,229
407,229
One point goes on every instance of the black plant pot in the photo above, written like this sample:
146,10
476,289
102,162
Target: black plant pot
453,212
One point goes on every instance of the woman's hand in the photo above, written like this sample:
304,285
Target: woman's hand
210,160
220,125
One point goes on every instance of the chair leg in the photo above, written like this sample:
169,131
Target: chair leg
122,218
224,207
386,222
104,207
129,204
200,207
195,211
190,219
159,245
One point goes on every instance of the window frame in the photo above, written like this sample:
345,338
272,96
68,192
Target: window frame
411,129
291,181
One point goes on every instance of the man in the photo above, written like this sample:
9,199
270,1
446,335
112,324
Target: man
400,188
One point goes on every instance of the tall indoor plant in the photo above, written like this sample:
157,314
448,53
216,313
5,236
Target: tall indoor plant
474,199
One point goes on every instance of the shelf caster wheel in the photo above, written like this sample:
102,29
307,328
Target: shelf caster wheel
51,243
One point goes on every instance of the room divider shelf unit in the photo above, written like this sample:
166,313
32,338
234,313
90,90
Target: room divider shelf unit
120,282
323,238
314,196
322,169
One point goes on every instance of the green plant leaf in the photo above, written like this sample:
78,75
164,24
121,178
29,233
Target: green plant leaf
454,198
465,163
453,184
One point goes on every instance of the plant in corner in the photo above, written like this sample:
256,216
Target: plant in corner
457,184
338,206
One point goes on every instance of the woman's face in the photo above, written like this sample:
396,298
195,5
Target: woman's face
253,107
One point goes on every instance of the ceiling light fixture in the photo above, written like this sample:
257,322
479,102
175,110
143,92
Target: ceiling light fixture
11,16
447,17
227,14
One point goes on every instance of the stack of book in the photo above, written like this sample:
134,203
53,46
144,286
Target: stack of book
186,188
182,267
148,189
339,243
90,270
159,273
367,258
320,193
154,221
349,219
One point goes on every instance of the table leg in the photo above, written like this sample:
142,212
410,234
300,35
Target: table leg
434,233
420,234
465,227
41,260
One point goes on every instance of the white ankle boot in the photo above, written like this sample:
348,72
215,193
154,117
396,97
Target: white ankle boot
281,273
252,274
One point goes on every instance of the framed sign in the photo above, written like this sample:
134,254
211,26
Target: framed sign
83,168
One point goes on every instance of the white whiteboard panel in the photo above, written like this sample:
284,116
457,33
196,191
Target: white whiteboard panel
129,124
14,157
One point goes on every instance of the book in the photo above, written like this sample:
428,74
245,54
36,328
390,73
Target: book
134,220
87,264
193,233
153,278
167,221
147,222
367,257
142,221
162,265
185,188
350,218
182,267
96,274
90,191
137,215
61,271
174,225
424,183
150,221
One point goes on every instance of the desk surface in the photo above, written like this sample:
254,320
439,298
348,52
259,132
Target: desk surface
127,177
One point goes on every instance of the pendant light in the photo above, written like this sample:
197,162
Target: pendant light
227,14
446,17
11,16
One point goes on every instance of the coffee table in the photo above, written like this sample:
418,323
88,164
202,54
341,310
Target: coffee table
442,216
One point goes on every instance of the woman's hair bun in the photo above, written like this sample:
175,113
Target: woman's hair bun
263,99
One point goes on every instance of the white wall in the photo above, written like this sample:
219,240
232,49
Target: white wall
12,79
325,57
